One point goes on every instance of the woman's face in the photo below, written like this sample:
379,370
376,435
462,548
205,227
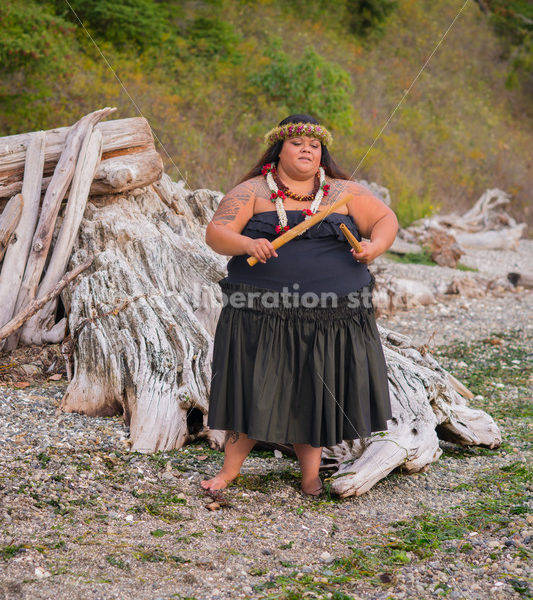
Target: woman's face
301,156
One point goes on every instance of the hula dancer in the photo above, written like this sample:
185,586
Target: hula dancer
297,357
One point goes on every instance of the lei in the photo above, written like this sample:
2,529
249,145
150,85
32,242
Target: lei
278,196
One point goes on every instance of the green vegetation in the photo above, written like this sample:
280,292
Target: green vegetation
213,76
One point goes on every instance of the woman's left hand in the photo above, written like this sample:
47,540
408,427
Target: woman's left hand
369,253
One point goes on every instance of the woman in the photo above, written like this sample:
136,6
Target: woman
297,356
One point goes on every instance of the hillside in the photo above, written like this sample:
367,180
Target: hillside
213,76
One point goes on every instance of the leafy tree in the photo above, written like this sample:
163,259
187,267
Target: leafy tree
513,21
367,16
311,84
32,37
142,23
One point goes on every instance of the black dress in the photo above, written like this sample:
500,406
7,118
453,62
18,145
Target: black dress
297,356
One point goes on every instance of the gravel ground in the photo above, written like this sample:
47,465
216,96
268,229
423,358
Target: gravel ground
83,518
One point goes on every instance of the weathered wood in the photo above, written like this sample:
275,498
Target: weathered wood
18,250
9,219
50,208
43,320
19,319
425,406
121,137
523,279
120,173
124,173
143,319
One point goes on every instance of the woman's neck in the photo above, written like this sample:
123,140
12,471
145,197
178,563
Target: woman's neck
293,182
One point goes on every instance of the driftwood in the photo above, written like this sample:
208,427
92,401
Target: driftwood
17,253
50,207
485,226
143,318
122,139
9,219
34,306
37,329
426,405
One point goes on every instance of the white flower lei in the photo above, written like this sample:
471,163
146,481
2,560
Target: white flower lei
282,215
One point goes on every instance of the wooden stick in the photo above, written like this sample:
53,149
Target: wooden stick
34,306
9,219
301,227
18,251
88,159
354,243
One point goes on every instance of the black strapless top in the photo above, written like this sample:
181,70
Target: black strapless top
318,261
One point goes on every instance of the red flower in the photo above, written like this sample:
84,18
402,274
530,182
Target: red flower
326,187
273,196
287,227
278,228
281,194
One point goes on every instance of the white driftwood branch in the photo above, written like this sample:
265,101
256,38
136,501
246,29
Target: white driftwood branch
9,219
18,251
34,306
89,156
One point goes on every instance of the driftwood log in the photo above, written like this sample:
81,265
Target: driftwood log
143,317
129,157
41,236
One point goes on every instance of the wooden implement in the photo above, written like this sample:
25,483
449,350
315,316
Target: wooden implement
354,243
301,227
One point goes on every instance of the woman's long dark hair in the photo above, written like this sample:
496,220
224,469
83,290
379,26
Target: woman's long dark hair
272,153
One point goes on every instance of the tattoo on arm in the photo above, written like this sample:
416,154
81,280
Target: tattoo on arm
232,203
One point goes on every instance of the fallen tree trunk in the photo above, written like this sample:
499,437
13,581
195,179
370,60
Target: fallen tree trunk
121,138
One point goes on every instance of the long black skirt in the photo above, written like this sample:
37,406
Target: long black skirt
313,374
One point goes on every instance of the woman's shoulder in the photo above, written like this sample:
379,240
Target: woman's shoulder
251,187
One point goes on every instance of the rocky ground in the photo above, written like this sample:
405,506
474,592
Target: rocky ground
83,518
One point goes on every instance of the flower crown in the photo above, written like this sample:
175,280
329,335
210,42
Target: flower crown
290,130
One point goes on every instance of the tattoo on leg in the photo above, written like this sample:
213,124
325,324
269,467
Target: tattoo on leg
233,436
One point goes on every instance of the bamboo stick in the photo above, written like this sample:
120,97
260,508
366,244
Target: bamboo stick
354,243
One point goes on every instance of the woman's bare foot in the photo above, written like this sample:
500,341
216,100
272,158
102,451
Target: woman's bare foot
312,487
219,482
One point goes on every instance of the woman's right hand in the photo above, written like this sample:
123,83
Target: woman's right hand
261,249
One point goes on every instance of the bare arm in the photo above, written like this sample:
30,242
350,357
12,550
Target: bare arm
374,219
223,233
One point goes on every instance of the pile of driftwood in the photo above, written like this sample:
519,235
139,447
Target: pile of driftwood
142,311
74,162
486,226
